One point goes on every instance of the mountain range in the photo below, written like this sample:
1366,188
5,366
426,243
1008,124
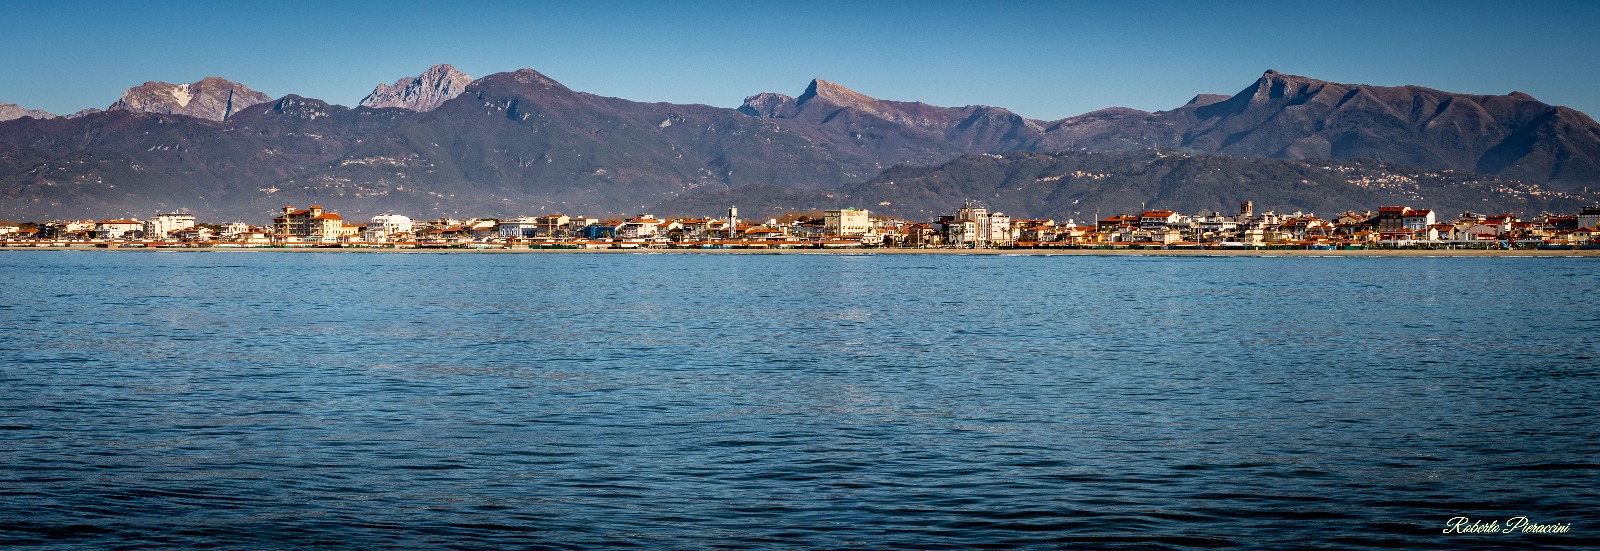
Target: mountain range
520,143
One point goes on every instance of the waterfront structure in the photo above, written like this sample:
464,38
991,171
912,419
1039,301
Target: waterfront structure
312,224
971,226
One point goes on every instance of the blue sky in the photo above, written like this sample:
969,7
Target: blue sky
1043,60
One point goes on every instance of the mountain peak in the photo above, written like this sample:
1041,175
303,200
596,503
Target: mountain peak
768,105
835,94
519,79
11,111
212,98
422,93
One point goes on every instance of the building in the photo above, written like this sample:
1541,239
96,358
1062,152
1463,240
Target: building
164,224
1390,219
1417,220
118,229
846,222
312,224
644,226
1153,220
387,227
1589,217
975,226
522,227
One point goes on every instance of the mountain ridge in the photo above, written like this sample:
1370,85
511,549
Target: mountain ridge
516,142
210,98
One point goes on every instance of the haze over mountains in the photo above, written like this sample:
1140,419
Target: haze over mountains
521,143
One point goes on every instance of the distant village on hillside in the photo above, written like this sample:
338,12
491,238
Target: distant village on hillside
968,226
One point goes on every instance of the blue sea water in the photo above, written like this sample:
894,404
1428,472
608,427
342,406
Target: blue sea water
688,401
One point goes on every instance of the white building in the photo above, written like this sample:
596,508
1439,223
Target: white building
118,229
1417,219
386,227
1000,230
975,226
521,227
164,224
846,222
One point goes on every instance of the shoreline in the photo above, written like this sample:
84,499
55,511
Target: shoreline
873,251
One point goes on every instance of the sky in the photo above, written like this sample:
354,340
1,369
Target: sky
1044,60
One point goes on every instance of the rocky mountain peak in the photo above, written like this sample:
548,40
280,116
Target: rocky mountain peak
835,94
11,111
422,93
768,105
211,98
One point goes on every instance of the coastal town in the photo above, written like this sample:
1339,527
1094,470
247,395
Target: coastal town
969,226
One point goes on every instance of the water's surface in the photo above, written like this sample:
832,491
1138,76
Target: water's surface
789,401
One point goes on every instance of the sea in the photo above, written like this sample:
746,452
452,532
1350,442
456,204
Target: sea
265,400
